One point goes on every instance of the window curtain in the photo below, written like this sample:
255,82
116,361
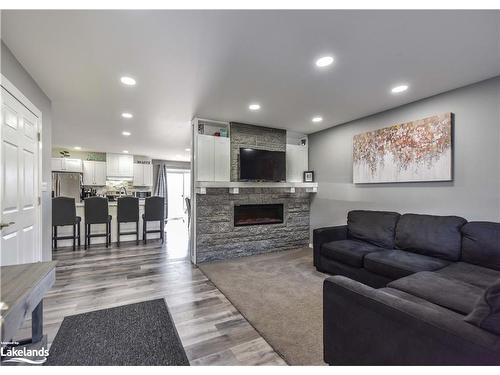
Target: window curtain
161,186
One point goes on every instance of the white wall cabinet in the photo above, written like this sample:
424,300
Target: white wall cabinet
296,162
213,158
143,175
119,166
66,165
94,173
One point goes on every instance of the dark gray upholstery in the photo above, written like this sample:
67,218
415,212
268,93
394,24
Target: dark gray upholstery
437,236
96,210
481,244
127,209
154,210
350,252
64,211
375,227
362,275
440,290
324,235
481,277
486,313
366,326
410,297
395,264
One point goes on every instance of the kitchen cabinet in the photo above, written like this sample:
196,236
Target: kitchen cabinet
213,158
66,165
119,166
296,162
94,173
143,175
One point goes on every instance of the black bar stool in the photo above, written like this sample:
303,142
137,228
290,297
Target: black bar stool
154,210
128,212
96,212
64,213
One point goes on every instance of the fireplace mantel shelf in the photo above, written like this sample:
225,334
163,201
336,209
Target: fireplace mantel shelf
234,187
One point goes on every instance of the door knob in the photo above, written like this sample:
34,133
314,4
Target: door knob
5,225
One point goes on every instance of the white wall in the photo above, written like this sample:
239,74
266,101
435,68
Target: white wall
475,191
19,77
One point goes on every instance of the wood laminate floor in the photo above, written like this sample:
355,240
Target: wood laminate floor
212,331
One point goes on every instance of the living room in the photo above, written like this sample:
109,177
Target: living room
336,198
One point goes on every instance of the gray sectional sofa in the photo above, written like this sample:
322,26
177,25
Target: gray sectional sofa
410,290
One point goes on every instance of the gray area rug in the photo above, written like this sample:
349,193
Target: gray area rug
280,294
132,335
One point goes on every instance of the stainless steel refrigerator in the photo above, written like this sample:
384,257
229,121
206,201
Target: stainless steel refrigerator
67,184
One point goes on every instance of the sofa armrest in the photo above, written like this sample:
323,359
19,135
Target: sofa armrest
324,235
366,326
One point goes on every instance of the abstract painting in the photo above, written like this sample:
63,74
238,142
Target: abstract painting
419,150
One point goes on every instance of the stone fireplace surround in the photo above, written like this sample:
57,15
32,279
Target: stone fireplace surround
217,237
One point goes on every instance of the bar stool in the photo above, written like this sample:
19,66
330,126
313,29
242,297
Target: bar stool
154,210
96,212
127,212
64,213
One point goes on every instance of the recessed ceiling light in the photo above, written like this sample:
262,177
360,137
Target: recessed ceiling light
324,61
398,89
254,107
317,119
125,151
126,134
188,149
77,148
127,115
129,81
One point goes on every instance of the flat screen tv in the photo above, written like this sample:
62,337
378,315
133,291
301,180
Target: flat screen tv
262,165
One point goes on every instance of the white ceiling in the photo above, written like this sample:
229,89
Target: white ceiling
215,63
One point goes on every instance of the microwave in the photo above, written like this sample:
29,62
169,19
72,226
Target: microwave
142,194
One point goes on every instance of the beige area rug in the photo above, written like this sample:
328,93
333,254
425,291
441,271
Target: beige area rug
280,294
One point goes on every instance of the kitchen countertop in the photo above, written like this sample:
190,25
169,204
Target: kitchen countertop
111,204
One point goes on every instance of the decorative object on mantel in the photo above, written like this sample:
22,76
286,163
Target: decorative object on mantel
309,176
64,154
415,151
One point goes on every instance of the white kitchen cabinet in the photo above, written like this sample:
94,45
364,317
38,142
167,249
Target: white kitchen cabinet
119,166
143,175
222,158
205,158
213,158
296,162
66,165
94,173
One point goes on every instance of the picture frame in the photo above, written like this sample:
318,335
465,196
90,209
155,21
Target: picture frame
308,176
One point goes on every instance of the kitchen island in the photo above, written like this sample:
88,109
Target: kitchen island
101,228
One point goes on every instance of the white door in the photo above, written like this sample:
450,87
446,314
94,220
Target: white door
20,186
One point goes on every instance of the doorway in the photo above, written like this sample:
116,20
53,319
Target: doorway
178,189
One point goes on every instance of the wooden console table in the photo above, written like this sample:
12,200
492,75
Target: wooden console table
22,290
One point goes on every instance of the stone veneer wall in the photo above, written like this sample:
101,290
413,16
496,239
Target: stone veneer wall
217,238
252,136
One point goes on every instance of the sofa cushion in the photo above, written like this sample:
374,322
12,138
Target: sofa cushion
422,302
375,227
437,236
486,313
481,277
351,252
481,244
443,291
398,263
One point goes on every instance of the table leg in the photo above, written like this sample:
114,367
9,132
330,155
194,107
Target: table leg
37,323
